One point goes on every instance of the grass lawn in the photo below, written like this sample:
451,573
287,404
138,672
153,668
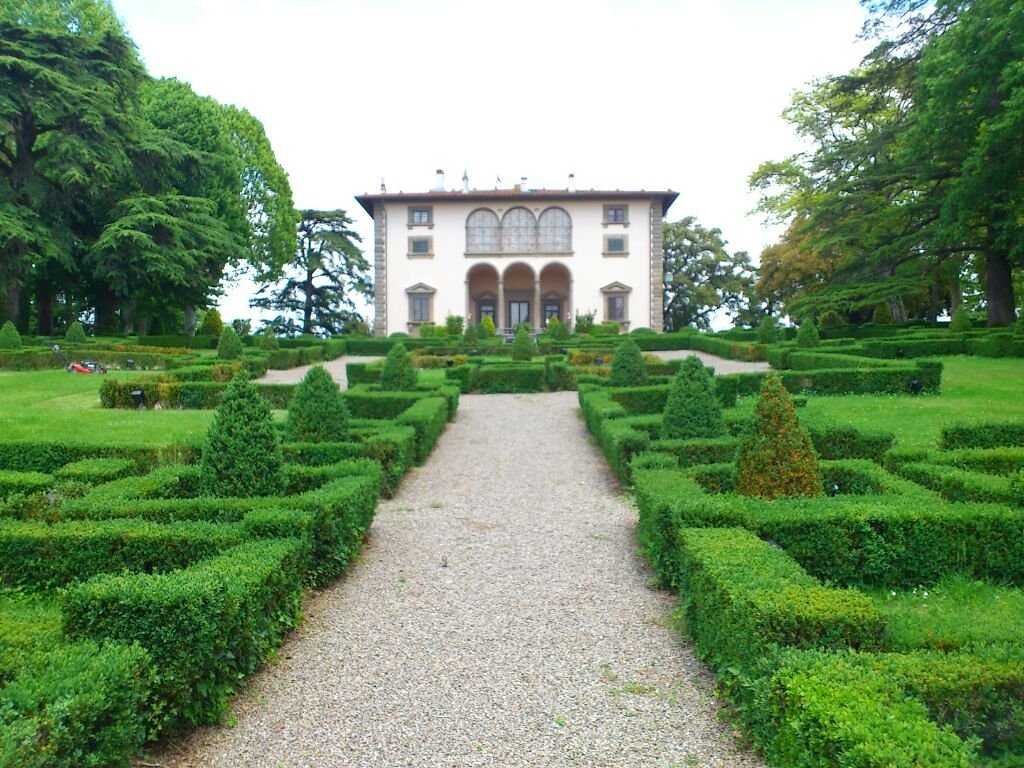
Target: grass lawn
57,405
973,389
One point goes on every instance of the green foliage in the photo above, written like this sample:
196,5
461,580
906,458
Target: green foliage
268,341
453,325
472,335
767,331
628,368
960,322
493,379
777,458
807,335
522,346
882,314
831,319
75,334
989,434
229,347
1018,327
98,470
317,412
692,408
242,455
398,374
584,323
9,336
212,324
487,326
557,330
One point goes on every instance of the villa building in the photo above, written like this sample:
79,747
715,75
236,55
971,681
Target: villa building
518,255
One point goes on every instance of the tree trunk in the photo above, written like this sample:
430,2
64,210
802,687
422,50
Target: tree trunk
955,295
44,311
128,319
190,320
142,325
898,311
307,310
106,309
12,303
999,289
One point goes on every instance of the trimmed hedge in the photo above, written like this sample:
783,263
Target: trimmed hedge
50,455
428,417
81,704
170,393
98,470
12,481
992,434
958,484
494,379
205,627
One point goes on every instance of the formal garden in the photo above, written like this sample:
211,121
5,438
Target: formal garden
843,531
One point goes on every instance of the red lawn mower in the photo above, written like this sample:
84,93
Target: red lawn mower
74,366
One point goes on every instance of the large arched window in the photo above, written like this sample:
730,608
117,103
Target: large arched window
555,231
483,232
518,231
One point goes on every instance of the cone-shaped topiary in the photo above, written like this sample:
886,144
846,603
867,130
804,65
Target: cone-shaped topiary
692,409
9,336
960,322
212,324
472,335
453,325
398,374
831,319
75,334
268,341
882,315
487,325
317,412
807,334
242,454
777,459
229,347
522,347
767,331
628,368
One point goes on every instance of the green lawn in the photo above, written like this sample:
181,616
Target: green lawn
55,404
973,389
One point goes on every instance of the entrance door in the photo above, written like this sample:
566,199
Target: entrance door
518,312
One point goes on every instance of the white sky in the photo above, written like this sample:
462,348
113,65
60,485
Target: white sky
655,94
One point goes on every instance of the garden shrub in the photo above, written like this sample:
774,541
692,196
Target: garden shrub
205,627
807,334
212,324
242,454
78,704
472,334
487,326
992,434
960,321
767,331
584,323
522,346
882,314
97,470
453,325
831,319
229,347
317,412
777,458
628,369
9,336
557,330
428,417
75,334
494,379
692,408
268,341
398,374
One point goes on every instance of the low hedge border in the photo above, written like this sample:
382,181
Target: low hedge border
166,392
13,481
205,627
991,434
51,455
958,484
96,470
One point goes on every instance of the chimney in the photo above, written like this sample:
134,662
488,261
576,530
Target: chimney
465,181
522,183
439,181
383,189
572,182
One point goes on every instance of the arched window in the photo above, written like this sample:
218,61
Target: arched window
482,232
555,229
518,231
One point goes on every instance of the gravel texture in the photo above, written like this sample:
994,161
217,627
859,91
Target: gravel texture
499,616
334,367
720,364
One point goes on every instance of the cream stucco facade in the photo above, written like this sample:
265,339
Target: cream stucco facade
517,255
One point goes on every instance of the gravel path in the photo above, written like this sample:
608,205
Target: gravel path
499,616
334,367
720,364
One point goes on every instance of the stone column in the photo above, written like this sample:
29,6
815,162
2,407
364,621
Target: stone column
501,303
468,316
380,271
569,316
538,310
657,315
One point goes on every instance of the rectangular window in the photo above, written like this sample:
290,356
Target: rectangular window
616,245
421,246
616,308
420,309
551,310
518,312
616,214
487,310
421,216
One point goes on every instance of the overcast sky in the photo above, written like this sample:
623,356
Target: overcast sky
648,94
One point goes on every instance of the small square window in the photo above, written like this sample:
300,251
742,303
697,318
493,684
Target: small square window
616,308
616,245
421,216
616,214
421,246
420,309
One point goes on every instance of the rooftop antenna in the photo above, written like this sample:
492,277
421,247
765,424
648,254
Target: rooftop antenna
383,189
465,181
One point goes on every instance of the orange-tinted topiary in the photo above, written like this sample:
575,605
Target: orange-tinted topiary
777,459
